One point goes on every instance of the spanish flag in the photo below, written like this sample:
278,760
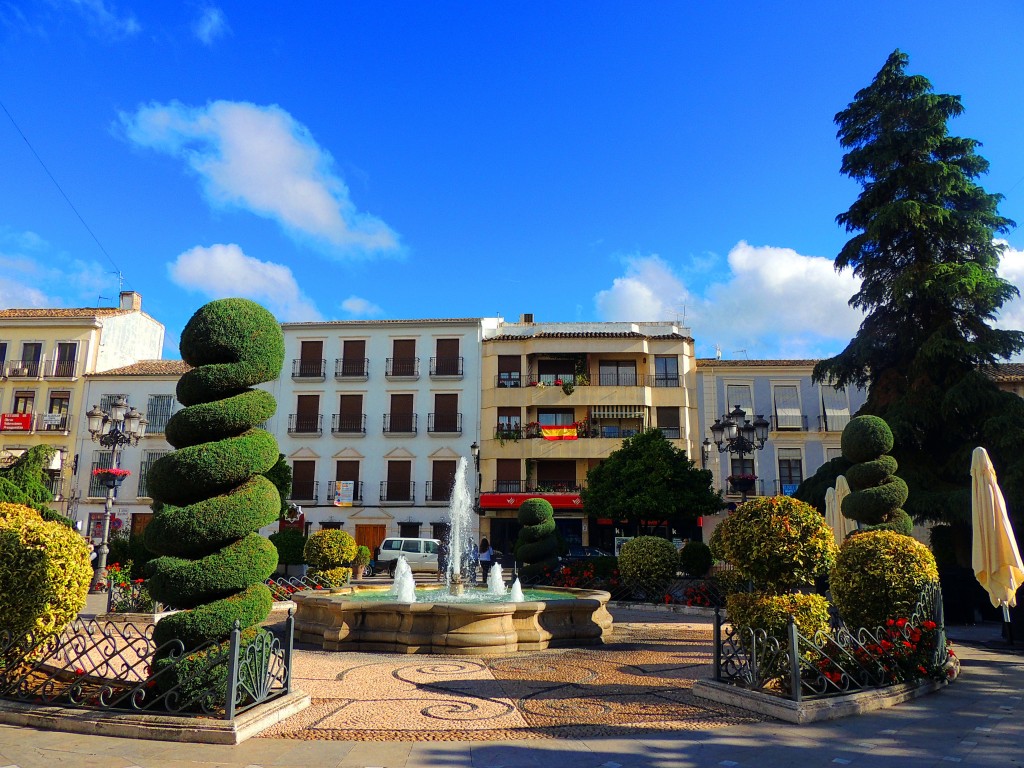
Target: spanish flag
558,431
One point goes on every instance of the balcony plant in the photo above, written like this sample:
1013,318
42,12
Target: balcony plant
111,477
509,432
742,481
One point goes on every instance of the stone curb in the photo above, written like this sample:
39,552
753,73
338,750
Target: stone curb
814,710
159,727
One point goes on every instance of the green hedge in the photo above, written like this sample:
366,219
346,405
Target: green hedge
329,548
216,619
210,421
866,438
771,612
695,559
290,544
537,544
648,564
331,577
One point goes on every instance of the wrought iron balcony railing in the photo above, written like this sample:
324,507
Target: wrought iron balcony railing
789,422
305,425
61,369
354,368
53,422
392,490
400,423
444,423
305,490
450,367
357,490
833,423
24,369
348,424
402,367
309,369
439,492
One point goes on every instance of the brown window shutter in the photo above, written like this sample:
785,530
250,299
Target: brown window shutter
351,406
347,470
307,405
442,475
399,486
509,476
404,357
668,417
447,348
509,363
401,413
303,479
312,351
354,349
446,413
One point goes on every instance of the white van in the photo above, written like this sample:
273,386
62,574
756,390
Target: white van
421,554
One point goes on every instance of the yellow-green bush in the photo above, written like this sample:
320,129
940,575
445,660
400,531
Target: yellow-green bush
771,612
331,577
777,542
648,564
44,572
329,548
879,575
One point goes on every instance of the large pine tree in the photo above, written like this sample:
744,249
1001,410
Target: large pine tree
925,249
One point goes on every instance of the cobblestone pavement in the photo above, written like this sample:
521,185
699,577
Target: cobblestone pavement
642,680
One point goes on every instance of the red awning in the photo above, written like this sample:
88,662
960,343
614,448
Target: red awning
513,500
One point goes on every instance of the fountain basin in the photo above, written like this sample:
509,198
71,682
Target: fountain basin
338,621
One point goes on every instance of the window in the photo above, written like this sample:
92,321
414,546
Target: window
148,459
158,411
24,402
350,414
447,361
787,407
307,414
100,460
790,469
668,421
31,354
739,395
410,546
409,531
56,416
556,416
550,371
833,453
391,545
311,363
617,373
353,358
743,466
446,416
835,405
106,400
666,371
348,469
510,424
403,360
401,418
509,476
509,370
3,354
64,365
442,474
398,486
303,480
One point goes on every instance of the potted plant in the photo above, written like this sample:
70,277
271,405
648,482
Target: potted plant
742,483
111,477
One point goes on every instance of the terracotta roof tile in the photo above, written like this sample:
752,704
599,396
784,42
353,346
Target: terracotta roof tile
68,312
149,368
1007,372
711,362
586,335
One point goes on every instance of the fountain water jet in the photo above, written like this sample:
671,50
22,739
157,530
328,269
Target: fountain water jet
515,594
460,536
495,582
404,588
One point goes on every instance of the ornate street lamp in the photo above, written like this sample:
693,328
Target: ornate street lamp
734,433
114,430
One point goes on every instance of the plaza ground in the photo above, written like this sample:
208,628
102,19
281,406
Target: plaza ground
625,705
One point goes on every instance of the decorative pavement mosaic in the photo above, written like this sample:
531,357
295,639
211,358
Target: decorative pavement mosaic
641,682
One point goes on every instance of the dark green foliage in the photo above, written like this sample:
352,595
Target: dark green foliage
25,482
330,548
648,564
281,476
648,478
866,438
196,472
876,495
363,556
209,421
202,677
812,490
925,249
206,526
869,473
537,543
290,543
695,559
210,494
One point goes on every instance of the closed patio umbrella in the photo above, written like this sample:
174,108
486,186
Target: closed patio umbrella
846,525
995,558
832,515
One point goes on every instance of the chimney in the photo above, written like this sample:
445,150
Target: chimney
131,300
527,318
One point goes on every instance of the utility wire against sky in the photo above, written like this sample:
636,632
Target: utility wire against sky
67,199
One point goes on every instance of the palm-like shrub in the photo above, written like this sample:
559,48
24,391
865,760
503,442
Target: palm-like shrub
211,496
647,565
44,573
876,494
879,575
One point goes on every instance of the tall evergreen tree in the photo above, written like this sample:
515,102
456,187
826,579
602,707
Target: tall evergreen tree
926,252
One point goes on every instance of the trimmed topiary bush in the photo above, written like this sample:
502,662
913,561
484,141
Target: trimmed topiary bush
363,556
695,559
329,548
771,612
648,564
290,544
879,575
777,542
44,573
876,495
210,494
332,577
537,545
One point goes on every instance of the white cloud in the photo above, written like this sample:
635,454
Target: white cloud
359,307
210,25
35,274
1011,269
774,302
105,18
259,158
224,270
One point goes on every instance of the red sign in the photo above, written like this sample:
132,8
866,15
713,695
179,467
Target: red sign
513,500
15,422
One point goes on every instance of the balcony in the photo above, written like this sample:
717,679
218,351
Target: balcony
397,492
402,368
789,422
352,368
357,491
305,425
24,369
344,424
305,490
545,486
444,423
400,423
438,493
53,422
833,423
446,367
758,490
309,370
671,433
54,485
508,380
61,369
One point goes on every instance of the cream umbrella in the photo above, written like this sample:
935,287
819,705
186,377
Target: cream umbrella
832,515
846,525
995,558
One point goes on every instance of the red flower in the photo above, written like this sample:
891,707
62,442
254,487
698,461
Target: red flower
79,671
901,622
928,624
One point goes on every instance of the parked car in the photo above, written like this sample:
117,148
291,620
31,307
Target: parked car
579,552
421,554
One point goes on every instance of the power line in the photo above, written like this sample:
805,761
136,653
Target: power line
57,185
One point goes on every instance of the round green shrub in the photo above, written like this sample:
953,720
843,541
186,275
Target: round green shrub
363,556
290,544
204,422
729,581
717,541
879,575
695,559
648,564
331,577
771,612
537,544
44,573
866,438
329,548
777,542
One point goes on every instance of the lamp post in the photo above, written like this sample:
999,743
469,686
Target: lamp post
112,430
734,433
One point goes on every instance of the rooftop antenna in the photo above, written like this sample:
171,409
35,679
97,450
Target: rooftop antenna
718,351
741,352
102,298
120,280
680,314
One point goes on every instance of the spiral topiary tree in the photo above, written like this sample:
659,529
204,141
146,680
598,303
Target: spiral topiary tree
537,545
211,493
876,495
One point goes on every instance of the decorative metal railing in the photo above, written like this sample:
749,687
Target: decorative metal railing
118,667
283,587
131,598
838,661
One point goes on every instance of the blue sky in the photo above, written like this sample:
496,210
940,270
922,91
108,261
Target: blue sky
581,161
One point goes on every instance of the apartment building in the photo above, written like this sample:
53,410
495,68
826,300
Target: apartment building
149,387
595,383
1009,377
373,417
45,355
